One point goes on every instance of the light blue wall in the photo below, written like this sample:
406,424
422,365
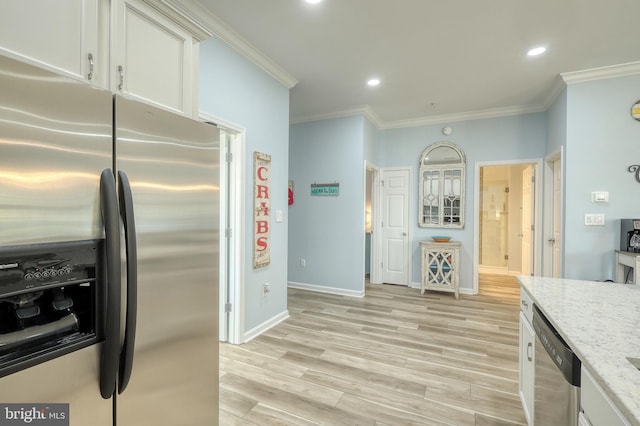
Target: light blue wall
237,91
602,142
328,231
497,139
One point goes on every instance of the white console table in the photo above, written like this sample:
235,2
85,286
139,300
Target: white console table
440,266
628,259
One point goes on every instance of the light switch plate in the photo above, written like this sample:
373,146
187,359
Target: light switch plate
279,216
600,197
591,219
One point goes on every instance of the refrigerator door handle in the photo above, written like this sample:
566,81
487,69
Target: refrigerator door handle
126,212
109,356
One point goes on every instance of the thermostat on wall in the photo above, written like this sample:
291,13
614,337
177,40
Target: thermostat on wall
635,111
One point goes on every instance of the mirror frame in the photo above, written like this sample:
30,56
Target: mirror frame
441,168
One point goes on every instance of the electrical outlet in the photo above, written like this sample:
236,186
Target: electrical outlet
592,219
266,289
303,263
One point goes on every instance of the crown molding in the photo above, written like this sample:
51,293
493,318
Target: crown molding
177,12
463,116
368,112
364,110
601,73
210,25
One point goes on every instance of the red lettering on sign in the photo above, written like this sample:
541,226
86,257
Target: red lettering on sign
262,227
260,172
263,192
262,244
263,210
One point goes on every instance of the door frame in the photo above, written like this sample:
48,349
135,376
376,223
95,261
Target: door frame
374,265
549,207
537,220
231,283
378,227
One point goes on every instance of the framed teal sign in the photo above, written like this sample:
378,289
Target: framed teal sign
322,189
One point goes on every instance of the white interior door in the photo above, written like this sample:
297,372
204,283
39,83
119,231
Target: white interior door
527,220
395,226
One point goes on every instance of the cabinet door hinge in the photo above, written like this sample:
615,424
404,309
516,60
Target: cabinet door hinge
227,307
228,233
229,157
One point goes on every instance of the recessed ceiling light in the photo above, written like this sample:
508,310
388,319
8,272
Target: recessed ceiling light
373,82
313,1
536,51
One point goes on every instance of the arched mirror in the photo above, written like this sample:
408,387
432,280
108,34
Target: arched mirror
442,196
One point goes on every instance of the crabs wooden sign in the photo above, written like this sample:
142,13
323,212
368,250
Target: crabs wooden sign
262,209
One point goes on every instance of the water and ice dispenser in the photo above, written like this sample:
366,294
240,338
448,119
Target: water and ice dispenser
49,301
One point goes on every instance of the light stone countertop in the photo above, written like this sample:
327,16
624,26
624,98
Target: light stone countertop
601,323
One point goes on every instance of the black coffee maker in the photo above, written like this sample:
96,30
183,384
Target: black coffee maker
630,235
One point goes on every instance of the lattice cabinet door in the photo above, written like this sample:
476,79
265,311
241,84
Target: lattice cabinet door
440,270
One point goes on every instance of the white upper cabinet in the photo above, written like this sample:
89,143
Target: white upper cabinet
142,49
153,59
62,35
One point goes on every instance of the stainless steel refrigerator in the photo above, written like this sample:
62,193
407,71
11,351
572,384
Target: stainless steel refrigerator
109,230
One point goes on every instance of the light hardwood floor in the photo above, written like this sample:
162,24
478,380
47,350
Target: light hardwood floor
393,357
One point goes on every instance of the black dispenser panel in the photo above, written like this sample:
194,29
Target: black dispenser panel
49,301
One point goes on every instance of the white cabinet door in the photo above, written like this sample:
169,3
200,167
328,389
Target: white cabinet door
596,405
527,364
152,57
59,35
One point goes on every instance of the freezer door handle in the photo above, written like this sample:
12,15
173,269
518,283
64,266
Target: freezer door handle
111,345
126,212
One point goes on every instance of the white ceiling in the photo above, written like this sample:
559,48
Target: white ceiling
437,59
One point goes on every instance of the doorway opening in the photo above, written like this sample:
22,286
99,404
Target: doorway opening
506,216
372,224
231,327
231,257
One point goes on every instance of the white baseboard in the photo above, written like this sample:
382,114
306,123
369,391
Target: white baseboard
330,290
461,290
270,323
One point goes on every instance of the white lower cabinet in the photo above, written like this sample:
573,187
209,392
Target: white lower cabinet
527,366
596,406
440,266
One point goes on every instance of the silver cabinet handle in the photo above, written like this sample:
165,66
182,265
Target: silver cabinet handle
551,240
529,347
121,73
524,302
90,75
404,234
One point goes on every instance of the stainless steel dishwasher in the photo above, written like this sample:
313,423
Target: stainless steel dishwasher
557,377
